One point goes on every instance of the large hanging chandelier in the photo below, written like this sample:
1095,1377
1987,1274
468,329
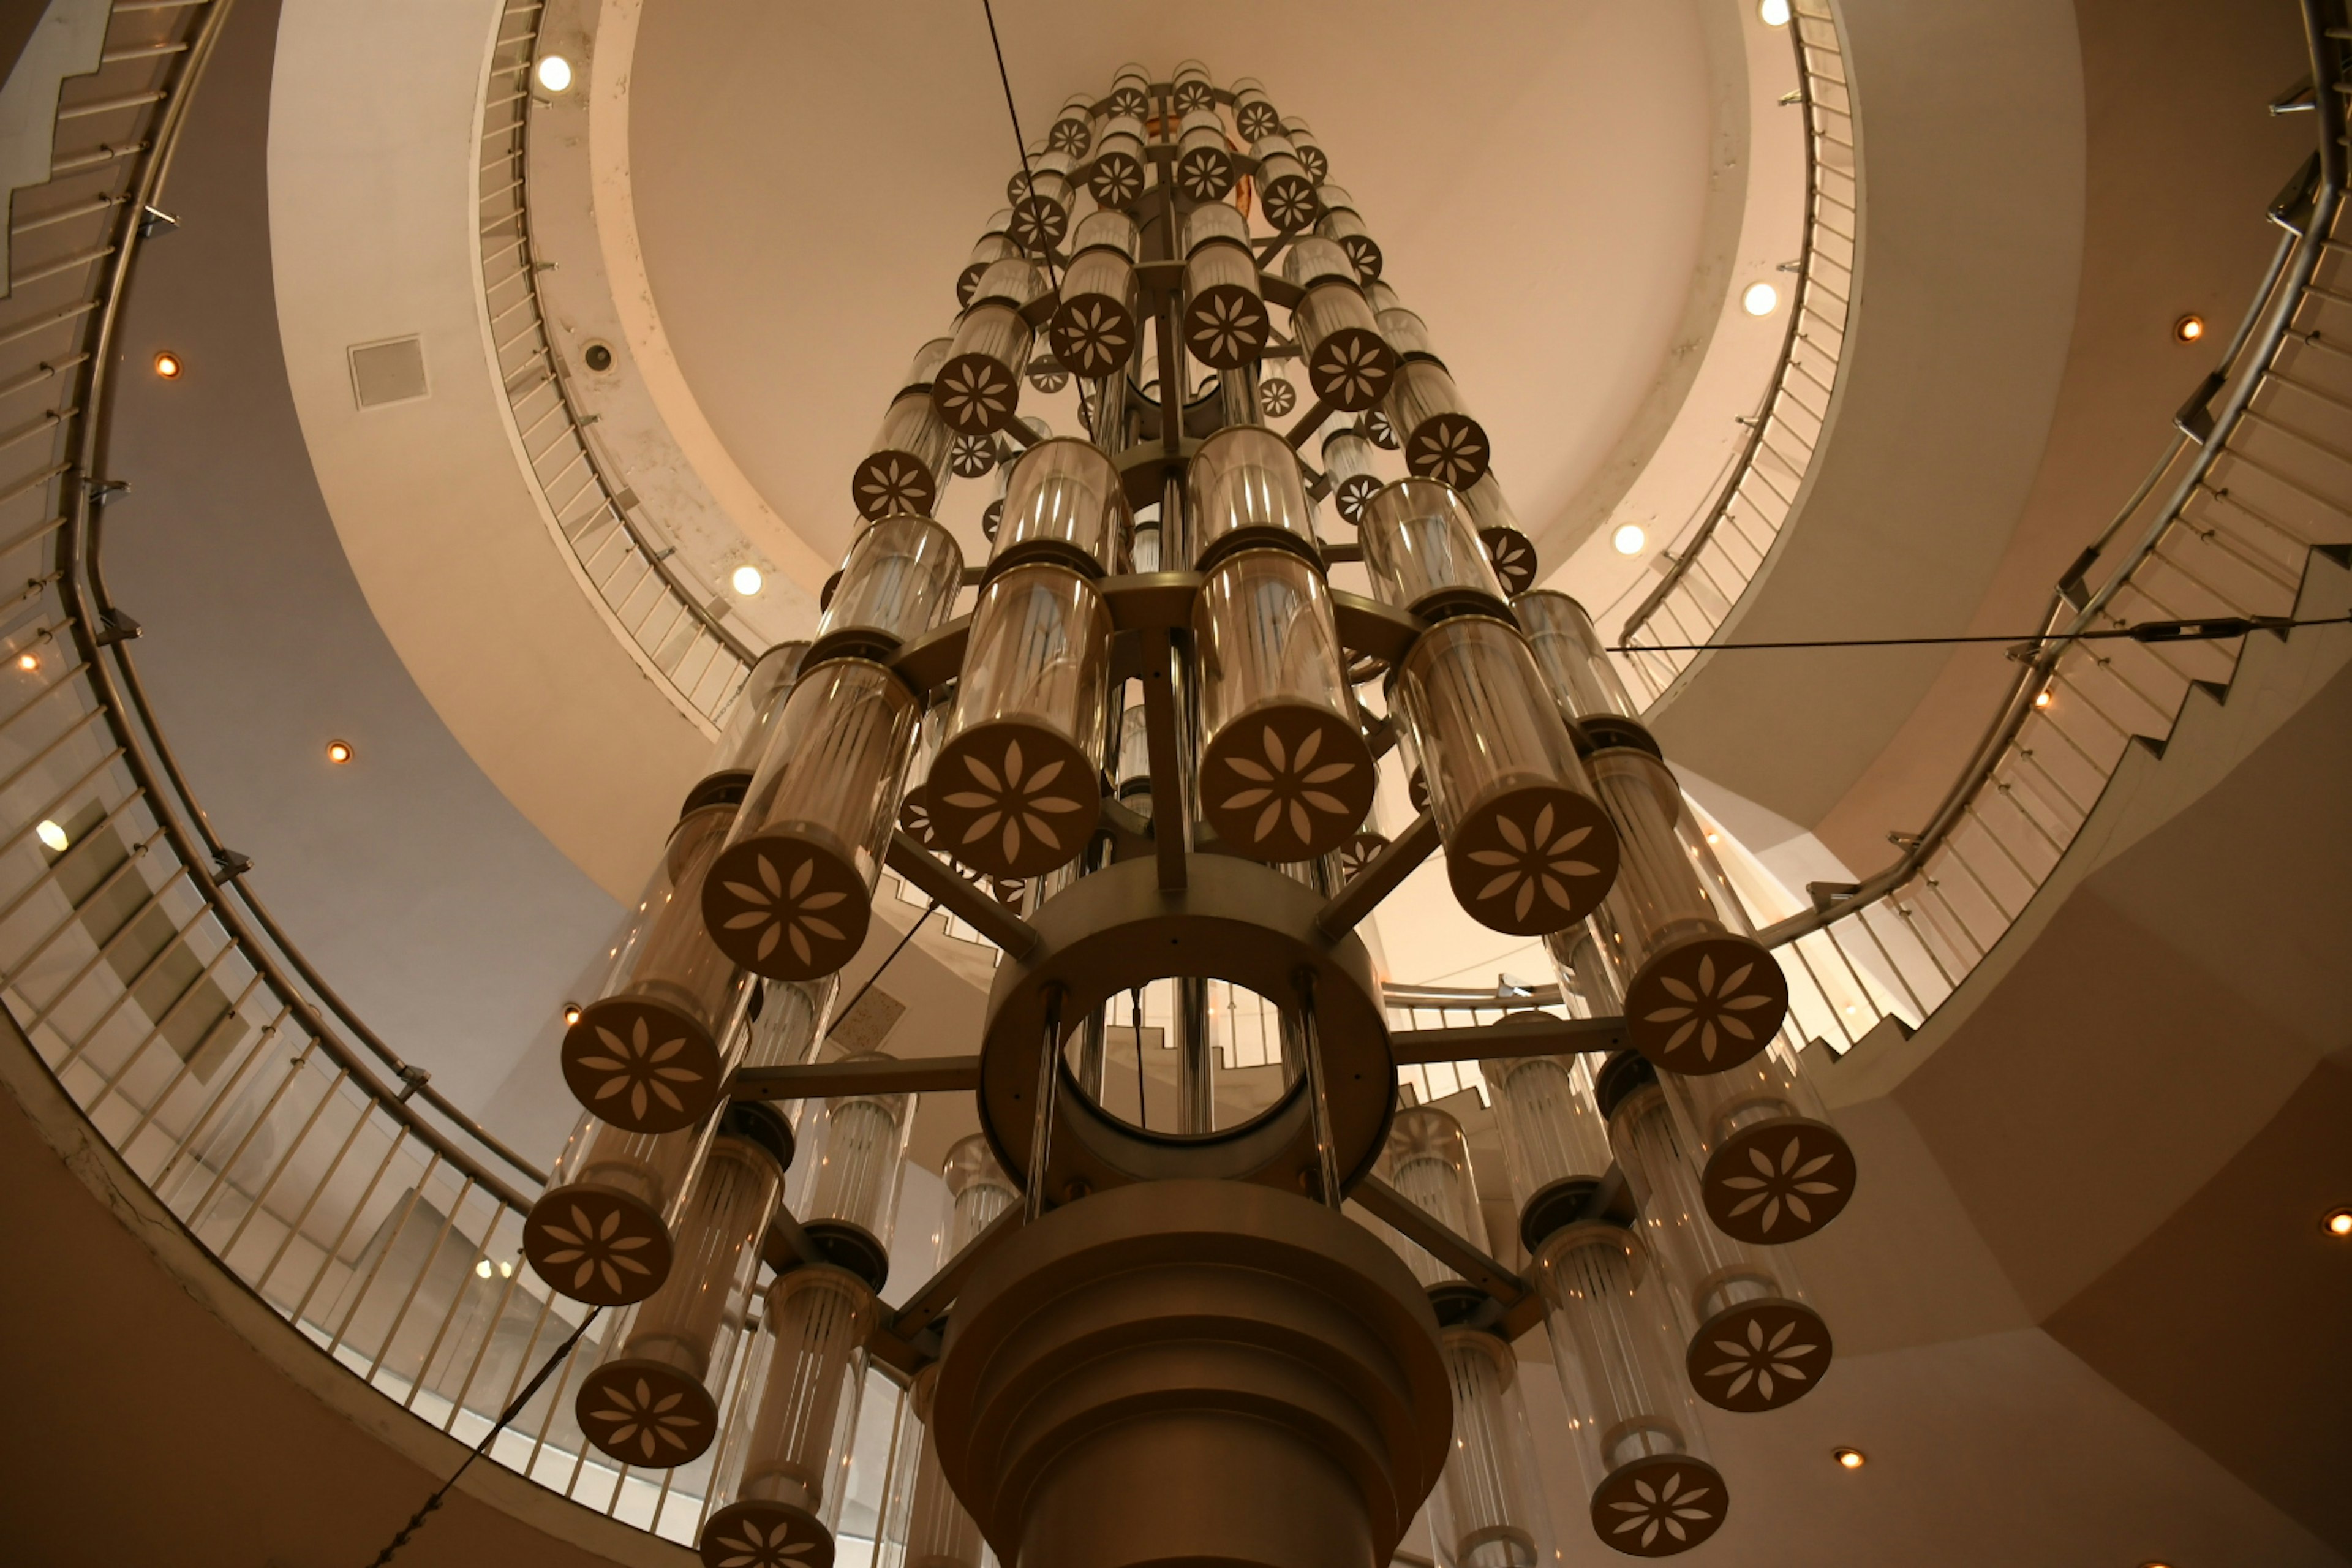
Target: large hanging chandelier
1144,760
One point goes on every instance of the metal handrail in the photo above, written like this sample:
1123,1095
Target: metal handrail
1814,49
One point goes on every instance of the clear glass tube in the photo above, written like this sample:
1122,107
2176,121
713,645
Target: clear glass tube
1588,984
1440,440
793,890
1612,1345
1243,485
603,1231
657,1404
1488,1510
787,1468
936,1529
1422,550
650,1054
1016,791
1072,130
1527,849
791,1024
1550,1122
751,721
1341,226
1353,471
1772,1167
1310,151
899,581
978,1189
1427,1161
1063,502
1254,113
1119,167
1206,170
1350,362
854,1153
1573,660
905,469
992,248
1094,329
1285,774
1225,323
978,390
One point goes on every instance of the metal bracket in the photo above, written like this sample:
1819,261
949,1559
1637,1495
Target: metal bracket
1531,1034
1522,1307
856,1075
964,900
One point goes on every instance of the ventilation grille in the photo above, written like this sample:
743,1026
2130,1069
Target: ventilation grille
392,370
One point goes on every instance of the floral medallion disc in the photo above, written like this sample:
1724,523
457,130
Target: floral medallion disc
596,1246
787,908
1706,1005
1759,1355
1533,861
1778,1181
1287,782
641,1066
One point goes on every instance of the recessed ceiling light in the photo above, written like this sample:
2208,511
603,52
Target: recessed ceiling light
2042,698
2338,1222
554,73
1774,12
29,661
2189,328
339,751
167,365
50,834
1760,299
570,1013
747,580
482,1267
1851,1458
1629,539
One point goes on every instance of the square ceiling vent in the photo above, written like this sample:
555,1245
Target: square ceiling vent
391,371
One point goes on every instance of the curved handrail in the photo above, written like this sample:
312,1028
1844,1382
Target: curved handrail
1715,559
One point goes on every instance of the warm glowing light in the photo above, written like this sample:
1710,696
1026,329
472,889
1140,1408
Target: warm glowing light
1774,12
2338,1221
2189,328
1759,299
167,365
570,1013
29,661
554,73
339,751
506,1270
483,1268
2042,699
1629,539
1851,1459
50,834
1714,838
747,580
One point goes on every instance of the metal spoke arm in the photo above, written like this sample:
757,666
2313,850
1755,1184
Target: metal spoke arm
966,900
1529,1034
1519,1308
1376,881
860,1075
909,1337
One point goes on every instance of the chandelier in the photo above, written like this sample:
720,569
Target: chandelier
1145,759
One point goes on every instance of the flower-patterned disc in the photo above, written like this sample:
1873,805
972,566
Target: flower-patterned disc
641,1064
1351,368
1194,92
1286,782
1117,179
1256,120
1514,555
1013,799
596,1245
1359,852
1364,253
975,456
1658,1506
975,394
1093,334
1706,1005
1277,396
1378,431
1038,222
646,1414
915,816
759,1534
787,908
1225,325
1206,173
1759,1355
1450,448
1532,860
1353,494
1048,375
1778,1181
1291,203
889,483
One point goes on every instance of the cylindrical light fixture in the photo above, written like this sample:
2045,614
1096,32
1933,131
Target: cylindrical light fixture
1575,663
899,581
1555,1144
1206,170
1349,363
1254,115
1310,151
924,1523
848,1200
650,1055
601,1232
1189,88
1285,187
1422,551
1754,1342
750,724
1488,1511
1427,1161
1440,440
1094,328
978,1190
993,246
1116,177
1041,195
1772,1167
1225,324
1341,225
978,390
1072,130
1511,550
1636,1422
1349,464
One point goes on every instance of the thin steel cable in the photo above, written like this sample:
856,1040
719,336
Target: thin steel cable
841,1017
1020,143
2209,628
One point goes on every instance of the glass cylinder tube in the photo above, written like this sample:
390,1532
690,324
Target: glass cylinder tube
777,1491
1350,362
978,390
1342,226
1118,175
1040,197
905,469
1440,440
1225,322
1574,661
1701,994
1130,91
1189,88
1206,170
1094,328
1063,502
1579,954
1016,791
1754,1342
1527,849
853,1154
915,803
978,1189
933,1530
792,1016
1422,552
1310,152
792,892
1772,1167
650,1055
1634,1422
1427,1161
1072,131
1488,1510
1254,113
1511,550
1285,775
992,248
899,581
657,1404
1555,1145
1348,463
1244,487
602,1231
1285,187
753,719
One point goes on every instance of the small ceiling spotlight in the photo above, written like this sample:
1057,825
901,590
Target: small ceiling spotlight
1760,299
747,580
2337,1223
1850,1458
338,752
1774,12
50,834
570,1014
554,73
2189,328
1629,539
2042,698
29,661
167,365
